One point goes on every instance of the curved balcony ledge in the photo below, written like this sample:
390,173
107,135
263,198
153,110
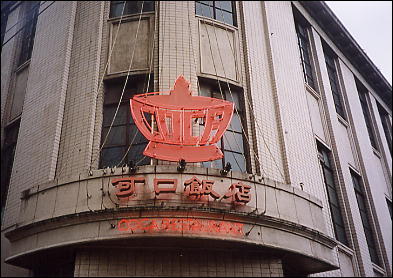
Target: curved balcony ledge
84,210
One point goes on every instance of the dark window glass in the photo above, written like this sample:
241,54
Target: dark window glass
361,200
362,91
131,7
220,10
28,34
6,8
305,51
389,204
337,218
124,132
386,125
333,79
232,143
7,160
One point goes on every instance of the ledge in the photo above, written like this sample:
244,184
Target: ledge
82,228
80,209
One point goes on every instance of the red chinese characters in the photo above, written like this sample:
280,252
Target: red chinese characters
240,192
126,186
159,188
196,188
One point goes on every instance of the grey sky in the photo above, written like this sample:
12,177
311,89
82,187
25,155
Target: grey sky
370,23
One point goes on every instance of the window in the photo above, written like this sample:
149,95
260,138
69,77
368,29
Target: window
362,91
361,200
389,204
7,7
7,160
305,50
335,210
131,7
124,131
330,59
231,144
386,125
221,10
27,41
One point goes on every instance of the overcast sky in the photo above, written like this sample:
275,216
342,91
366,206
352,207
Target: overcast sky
370,23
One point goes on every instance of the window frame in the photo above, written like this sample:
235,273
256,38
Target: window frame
331,66
130,127
389,205
214,87
127,7
363,98
28,35
302,28
214,8
368,227
386,126
325,159
7,165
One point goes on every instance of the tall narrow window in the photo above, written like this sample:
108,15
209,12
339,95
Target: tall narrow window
7,160
303,39
7,7
28,35
330,59
389,204
386,125
231,144
117,150
221,10
362,91
131,7
334,204
364,214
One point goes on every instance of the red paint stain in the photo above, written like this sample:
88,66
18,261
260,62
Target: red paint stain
179,225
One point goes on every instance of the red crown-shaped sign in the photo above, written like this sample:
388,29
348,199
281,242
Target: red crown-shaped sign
172,137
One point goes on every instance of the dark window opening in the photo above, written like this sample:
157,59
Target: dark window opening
124,131
330,59
131,7
303,38
386,125
335,208
6,8
7,160
28,35
362,91
389,204
364,214
232,143
223,11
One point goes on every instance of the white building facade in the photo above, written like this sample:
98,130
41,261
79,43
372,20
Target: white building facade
310,142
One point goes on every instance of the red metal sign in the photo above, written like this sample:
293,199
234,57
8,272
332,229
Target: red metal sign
172,136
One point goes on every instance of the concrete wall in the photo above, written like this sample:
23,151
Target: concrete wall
81,97
36,152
